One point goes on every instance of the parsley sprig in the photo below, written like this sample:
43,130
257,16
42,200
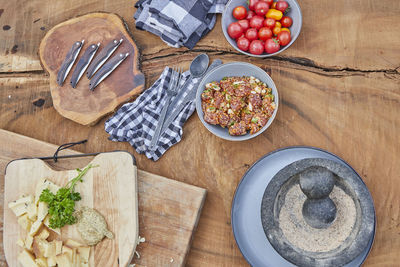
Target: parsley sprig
62,204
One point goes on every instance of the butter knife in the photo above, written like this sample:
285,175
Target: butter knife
83,63
102,57
106,70
69,62
189,97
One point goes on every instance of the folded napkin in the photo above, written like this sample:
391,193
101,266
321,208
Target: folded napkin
178,22
136,122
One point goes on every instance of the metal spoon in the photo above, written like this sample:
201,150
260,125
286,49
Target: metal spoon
197,69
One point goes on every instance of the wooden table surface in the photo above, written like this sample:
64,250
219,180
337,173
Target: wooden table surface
339,86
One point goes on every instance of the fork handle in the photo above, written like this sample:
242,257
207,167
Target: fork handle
160,123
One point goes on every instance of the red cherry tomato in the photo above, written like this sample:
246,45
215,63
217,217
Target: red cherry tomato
240,12
250,14
256,47
284,38
269,2
251,34
261,8
244,23
264,33
256,22
242,35
243,43
286,21
252,4
281,5
272,46
269,22
234,30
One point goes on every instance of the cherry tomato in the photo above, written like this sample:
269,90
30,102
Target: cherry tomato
285,29
275,14
269,22
276,30
278,24
264,33
252,4
272,46
286,21
244,23
234,30
242,35
284,38
282,5
251,34
256,47
261,8
256,22
240,12
243,43
273,5
269,2
250,14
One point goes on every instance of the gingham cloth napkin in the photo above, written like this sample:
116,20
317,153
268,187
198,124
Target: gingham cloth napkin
136,122
178,22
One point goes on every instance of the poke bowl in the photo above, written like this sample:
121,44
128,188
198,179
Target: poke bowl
293,12
241,91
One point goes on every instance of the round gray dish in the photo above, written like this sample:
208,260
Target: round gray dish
294,13
346,178
234,69
246,216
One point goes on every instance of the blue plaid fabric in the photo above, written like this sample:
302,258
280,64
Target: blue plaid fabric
178,22
136,122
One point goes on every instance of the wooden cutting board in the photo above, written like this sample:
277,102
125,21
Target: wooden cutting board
80,104
168,210
109,188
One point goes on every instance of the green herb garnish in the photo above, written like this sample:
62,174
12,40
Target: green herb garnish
62,204
254,120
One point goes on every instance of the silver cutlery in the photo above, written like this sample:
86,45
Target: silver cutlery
176,77
69,62
102,57
189,97
83,63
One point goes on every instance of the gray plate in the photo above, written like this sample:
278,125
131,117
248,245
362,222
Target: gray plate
246,206
235,69
294,13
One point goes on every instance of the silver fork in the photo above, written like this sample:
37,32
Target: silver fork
176,77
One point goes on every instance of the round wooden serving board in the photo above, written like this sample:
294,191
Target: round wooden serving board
110,188
80,104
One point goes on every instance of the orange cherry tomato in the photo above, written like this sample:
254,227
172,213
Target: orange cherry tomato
278,24
275,14
273,5
276,30
285,29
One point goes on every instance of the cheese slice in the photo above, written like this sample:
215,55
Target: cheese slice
27,259
63,260
23,200
24,222
42,262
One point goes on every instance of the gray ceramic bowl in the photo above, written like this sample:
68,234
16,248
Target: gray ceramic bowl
228,70
294,13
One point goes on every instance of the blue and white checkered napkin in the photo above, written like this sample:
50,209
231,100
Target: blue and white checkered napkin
136,122
178,22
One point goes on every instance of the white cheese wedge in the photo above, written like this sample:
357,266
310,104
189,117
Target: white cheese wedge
27,259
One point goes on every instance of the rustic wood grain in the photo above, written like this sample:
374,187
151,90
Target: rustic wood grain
110,188
81,104
359,35
338,86
168,210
